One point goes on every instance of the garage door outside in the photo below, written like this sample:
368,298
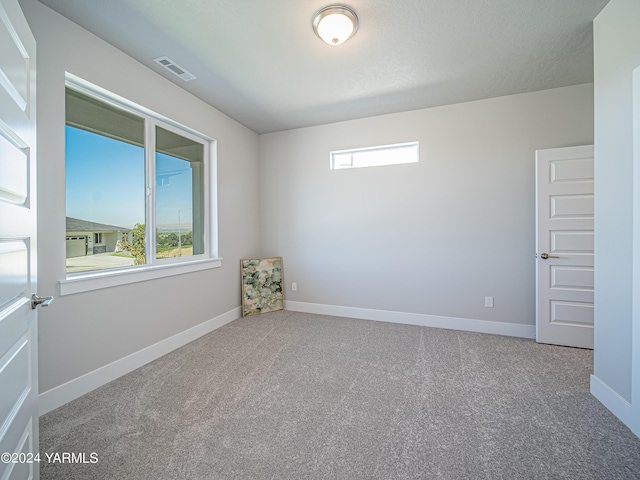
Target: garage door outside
76,246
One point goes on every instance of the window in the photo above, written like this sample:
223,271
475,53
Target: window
179,206
136,188
375,156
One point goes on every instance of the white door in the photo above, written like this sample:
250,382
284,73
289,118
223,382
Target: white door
564,246
18,320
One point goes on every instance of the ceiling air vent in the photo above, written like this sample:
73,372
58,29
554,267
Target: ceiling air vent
175,69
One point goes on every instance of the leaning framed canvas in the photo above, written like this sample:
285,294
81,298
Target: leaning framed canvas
262,290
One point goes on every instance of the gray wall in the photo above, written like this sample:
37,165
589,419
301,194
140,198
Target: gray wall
80,333
430,238
616,54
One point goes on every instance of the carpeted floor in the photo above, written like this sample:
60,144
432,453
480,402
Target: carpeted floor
296,396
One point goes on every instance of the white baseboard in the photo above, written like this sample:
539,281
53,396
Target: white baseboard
615,403
451,323
58,396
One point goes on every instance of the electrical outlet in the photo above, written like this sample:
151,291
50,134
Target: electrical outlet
488,302
294,286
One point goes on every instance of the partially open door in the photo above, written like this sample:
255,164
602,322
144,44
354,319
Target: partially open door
564,246
18,317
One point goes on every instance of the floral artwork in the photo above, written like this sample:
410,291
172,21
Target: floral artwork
261,285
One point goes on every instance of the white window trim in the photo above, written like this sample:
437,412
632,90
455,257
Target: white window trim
90,281
158,268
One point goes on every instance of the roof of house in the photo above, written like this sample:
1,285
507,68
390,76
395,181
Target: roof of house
77,225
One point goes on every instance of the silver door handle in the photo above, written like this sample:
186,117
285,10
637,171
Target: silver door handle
544,256
44,301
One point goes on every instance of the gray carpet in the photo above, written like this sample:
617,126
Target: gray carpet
296,396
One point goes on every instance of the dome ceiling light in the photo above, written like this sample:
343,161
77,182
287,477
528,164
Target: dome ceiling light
335,24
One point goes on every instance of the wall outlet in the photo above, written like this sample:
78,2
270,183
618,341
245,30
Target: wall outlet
488,302
294,286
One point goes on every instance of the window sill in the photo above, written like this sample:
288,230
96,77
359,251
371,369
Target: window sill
112,278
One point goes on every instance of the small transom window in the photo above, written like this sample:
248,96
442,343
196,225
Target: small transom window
375,156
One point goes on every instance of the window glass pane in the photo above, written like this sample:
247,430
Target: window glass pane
179,205
105,185
375,156
93,115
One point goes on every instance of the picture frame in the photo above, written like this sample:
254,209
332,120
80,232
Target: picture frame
262,285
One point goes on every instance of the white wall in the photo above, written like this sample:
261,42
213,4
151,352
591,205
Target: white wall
432,238
616,54
84,332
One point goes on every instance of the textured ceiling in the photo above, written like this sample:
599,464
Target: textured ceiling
260,62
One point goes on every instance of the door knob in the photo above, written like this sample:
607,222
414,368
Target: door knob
44,301
544,256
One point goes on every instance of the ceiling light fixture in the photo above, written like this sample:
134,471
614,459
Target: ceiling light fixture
335,24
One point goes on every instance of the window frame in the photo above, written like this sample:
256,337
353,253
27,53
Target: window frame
150,224
377,148
153,268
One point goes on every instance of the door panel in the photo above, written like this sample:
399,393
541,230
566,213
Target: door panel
571,313
572,206
576,242
14,270
564,231
570,170
15,72
18,320
13,168
15,378
576,278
